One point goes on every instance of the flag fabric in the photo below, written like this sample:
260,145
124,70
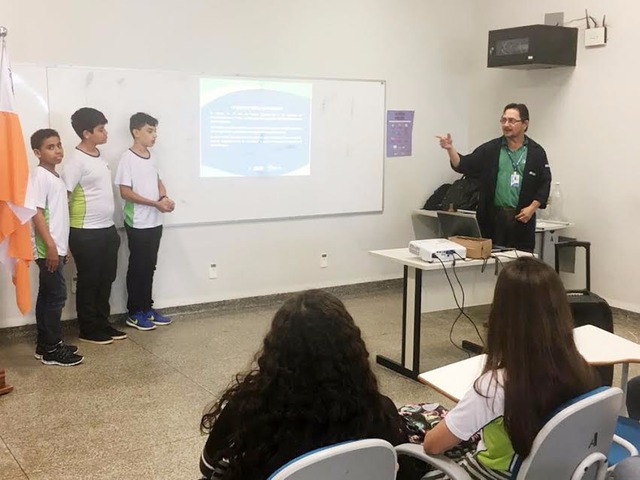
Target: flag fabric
17,199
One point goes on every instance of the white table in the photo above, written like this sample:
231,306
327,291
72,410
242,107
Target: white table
597,346
412,307
543,227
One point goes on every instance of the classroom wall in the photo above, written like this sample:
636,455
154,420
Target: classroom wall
585,117
408,43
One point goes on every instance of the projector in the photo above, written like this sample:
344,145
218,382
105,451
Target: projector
437,248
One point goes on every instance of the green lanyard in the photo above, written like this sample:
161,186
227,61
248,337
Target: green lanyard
516,164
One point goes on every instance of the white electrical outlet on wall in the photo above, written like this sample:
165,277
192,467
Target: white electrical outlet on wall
324,260
213,271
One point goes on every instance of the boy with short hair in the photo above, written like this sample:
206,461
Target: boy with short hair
51,241
145,199
93,238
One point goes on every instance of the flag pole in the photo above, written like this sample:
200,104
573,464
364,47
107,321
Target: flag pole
4,388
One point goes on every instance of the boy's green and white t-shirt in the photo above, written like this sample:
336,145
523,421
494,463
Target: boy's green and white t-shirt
88,178
141,174
51,197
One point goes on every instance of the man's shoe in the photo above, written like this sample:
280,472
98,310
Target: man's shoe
41,350
99,337
61,356
158,319
114,333
140,321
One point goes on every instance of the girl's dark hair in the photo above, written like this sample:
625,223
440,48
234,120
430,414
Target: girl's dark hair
531,337
311,380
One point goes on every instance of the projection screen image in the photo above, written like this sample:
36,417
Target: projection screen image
251,128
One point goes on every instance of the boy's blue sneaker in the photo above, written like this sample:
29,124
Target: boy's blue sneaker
158,319
141,321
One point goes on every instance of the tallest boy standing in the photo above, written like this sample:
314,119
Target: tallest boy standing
93,239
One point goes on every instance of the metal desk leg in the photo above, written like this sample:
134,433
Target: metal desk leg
543,238
623,384
409,365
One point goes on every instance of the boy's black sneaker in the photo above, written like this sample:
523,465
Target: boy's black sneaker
115,333
41,350
99,337
61,356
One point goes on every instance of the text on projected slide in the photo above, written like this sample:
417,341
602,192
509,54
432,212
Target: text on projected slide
254,128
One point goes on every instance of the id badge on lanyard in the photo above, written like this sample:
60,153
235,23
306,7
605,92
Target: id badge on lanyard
515,176
515,180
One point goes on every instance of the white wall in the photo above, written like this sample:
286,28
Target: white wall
409,43
586,118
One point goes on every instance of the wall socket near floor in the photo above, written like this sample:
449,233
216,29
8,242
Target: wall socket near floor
74,284
324,260
213,271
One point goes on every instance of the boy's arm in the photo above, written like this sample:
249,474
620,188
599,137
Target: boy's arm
163,195
42,229
128,194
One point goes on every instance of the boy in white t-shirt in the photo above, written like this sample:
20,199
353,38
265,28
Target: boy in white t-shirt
93,238
145,201
51,243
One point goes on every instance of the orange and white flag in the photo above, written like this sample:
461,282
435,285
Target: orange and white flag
17,203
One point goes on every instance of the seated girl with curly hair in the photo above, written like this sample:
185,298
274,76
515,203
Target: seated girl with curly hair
311,385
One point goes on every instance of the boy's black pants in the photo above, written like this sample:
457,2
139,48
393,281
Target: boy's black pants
52,294
95,252
143,256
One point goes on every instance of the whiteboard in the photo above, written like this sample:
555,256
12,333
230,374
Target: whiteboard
347,144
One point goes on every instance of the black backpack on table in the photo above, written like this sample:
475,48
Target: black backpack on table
462,194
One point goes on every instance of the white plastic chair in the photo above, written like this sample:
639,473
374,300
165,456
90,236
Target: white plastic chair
370,459
572,445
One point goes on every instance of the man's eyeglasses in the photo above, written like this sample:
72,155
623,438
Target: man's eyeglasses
509,121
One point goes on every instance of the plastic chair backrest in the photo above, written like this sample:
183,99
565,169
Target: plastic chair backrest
629,430
582,429
370,459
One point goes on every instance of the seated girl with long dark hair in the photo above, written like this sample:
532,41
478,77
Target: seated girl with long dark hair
311,386
533,367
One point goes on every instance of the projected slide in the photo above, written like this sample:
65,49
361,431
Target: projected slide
252,128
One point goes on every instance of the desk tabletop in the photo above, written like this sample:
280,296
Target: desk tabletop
597,346
454,380
600,347
403,256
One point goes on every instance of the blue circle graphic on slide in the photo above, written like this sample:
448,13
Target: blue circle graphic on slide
256,132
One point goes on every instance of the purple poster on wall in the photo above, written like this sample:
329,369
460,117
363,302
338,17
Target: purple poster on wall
399,132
